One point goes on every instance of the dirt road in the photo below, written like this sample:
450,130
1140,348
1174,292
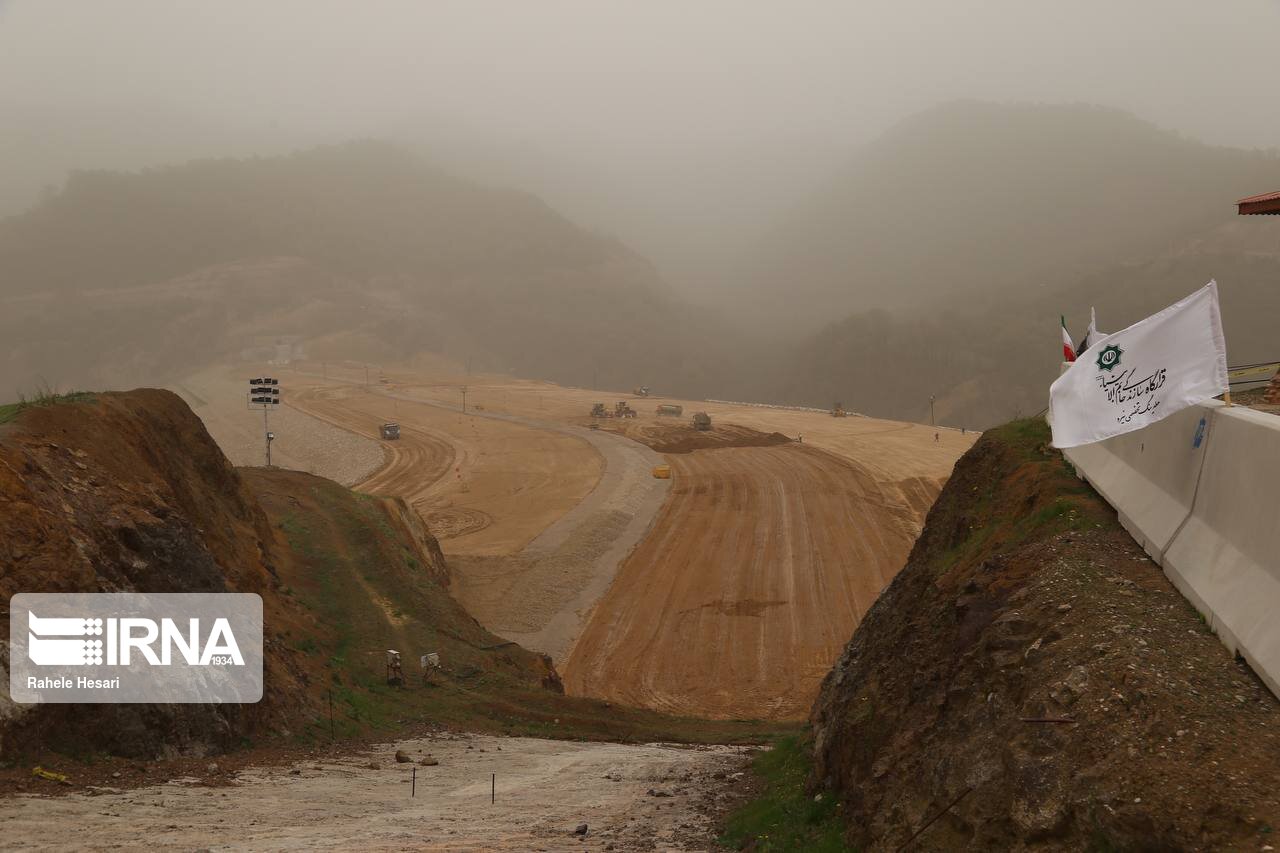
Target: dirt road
485,486
753,578
542,597
544,791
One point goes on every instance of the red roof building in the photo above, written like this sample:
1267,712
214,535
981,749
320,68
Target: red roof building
1265,203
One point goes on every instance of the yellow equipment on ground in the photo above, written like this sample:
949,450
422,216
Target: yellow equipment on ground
662,472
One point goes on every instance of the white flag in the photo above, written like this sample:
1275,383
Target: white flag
1135,377
1091,334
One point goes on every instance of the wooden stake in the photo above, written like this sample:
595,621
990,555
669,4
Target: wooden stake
1226,397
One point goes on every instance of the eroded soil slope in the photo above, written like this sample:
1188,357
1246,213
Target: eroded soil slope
127,492
1034,679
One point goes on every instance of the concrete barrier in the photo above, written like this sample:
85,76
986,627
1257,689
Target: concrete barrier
1150,476
1200,491
1226,558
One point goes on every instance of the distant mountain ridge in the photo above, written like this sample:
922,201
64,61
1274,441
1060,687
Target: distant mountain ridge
122,269
936,265
939,263
995,359
971,199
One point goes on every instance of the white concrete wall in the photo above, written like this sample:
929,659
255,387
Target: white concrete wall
1210,516
1150,476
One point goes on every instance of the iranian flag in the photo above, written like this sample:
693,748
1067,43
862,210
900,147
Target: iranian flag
1068,348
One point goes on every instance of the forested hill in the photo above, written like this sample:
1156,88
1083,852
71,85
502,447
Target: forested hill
363,209
131,277
972,199
995,359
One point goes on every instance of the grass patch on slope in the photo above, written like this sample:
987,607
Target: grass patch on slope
784,817
44,397
1040,498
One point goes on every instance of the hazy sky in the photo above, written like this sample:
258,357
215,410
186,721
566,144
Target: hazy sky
680,126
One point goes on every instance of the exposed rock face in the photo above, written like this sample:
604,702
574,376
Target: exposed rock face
128,492
415,531
1031,680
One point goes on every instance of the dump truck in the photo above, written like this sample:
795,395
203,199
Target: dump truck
669,410
598,411
390,432
702,421
642,391
623,410
837,411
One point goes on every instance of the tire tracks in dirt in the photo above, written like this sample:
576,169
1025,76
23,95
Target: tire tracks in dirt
757,571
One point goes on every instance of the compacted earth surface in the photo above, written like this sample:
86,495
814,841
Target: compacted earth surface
447,792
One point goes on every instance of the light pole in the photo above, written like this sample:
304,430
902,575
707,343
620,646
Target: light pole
464,399
265,392
932,422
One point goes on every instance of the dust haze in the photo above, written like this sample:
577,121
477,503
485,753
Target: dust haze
682,128
781,168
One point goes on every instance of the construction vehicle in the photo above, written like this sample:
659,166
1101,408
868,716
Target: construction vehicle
390,432
670,410
642,391
702,421
837,411
623,410
662,472
598,411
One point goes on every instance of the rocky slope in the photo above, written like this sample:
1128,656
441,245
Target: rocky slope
125,492
1030,680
